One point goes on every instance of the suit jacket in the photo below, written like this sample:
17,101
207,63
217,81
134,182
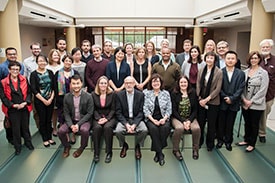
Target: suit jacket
107,111
176,99
180,58
122,110
232,89
86,108
256,88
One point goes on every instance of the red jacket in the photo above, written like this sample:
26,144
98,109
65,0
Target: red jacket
6,89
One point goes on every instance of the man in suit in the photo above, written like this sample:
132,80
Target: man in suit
232,88
129,112
184,56
78,111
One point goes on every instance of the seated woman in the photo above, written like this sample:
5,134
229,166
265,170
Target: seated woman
157,110
104,117
184,116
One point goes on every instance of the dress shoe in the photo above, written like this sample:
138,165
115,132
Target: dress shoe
66,152
262,139
161,159
46,144
178,155
156,158
52,142
209,149
195,154
77,153
228,147
123,151
108,157
17,151
96,158
241,143
137,152
29,146
249,149
219,145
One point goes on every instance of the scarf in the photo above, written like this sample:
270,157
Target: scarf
208,86
61,81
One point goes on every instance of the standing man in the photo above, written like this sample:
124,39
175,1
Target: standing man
78,112
165,44
222,48
129,112
107,50
169,70
184,56
95,68
11,55
232,88
61,46
86,51
269,65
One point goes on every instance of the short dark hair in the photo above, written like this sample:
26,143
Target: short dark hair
211,53
35,43
14,63
74,50
43,56
67,56
231,52
154,77
61,38
10,48
199,56
119,49
76,77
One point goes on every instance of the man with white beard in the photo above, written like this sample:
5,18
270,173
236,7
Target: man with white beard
268,64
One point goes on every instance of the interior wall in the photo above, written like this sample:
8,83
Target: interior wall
30,34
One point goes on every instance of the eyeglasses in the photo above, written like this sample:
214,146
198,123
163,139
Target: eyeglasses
15,69
222,47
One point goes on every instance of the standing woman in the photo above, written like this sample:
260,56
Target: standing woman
209,85
193,65
210,45
142,69
16,105
104,120
157,110
54,65
253,99
42,85
78,65
184,116
129,57
118,70
151,52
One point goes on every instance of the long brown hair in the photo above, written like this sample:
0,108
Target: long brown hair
97,90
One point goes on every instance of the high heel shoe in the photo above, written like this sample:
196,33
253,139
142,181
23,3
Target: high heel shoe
249,149
52,142
46,144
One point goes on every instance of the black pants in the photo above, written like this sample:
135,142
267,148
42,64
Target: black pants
45,116
210,116
225,126
251,125
20,126
107,130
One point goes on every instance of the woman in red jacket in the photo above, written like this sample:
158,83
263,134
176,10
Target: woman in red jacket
16,105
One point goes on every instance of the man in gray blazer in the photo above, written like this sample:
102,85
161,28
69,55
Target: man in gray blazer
184,56
78,111
129,113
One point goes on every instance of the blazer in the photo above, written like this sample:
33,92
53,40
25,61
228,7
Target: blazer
256,88
111,72
232,89
86,108
164,100
122,110
180,58
215,86
108,111
176,98
185,68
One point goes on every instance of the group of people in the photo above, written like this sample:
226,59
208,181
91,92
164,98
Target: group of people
139,93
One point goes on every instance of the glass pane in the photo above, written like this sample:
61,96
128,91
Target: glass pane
98,39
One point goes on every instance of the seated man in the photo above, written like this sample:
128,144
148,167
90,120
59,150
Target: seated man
78,111
129,112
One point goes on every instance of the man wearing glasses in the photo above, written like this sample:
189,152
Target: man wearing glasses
11,55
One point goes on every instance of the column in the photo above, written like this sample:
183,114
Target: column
9,31
261,25
71,38
198,37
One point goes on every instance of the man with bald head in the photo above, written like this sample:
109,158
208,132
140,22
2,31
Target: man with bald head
129,113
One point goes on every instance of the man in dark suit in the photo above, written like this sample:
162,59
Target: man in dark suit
184,56
78,111
129,112
232,88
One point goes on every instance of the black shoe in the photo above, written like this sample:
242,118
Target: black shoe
161,159
219,145
17,151
137,152
209,149
11,142
156,158
195,154
262,139
178,155
52,142
228,147
108,158
29,146
96,158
